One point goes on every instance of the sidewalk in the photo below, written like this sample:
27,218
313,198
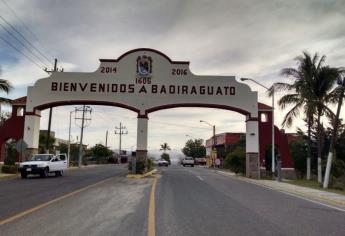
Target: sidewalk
333,199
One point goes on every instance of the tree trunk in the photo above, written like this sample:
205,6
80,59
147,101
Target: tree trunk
319,151
333,140
309,148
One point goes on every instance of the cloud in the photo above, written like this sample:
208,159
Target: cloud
251,38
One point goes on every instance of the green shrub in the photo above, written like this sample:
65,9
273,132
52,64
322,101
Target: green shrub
338,183
236,160
338,168
150,164
11,154
338,175
9,169
140,167
299,156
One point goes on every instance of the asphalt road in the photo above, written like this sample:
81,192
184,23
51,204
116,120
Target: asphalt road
188,201
198,201
116,206
19,194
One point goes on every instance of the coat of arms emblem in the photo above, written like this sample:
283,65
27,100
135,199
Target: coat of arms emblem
144,65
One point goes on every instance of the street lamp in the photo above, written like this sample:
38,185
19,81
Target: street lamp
214,137
273,156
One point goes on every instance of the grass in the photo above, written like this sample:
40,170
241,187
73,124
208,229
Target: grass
315,185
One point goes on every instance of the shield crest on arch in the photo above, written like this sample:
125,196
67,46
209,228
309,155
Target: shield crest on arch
144,65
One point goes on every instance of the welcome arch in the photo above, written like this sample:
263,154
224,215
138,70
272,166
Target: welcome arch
144,80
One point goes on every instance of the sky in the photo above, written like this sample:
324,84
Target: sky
253,39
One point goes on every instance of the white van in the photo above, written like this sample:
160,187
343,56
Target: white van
188,161
43,164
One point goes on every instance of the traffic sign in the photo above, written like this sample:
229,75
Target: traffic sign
21,146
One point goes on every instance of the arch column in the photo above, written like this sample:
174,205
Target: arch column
31,134
142,135
252,149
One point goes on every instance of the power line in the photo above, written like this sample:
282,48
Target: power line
26,40
24,25
14,47
23,44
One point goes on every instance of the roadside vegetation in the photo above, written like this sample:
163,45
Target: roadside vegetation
310,90
9,166
165,156
194,148
10,152
313,87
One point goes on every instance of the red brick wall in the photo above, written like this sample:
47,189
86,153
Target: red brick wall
280,139
13,128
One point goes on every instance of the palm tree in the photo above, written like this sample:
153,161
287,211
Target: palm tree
5,86
310,91
338,94
322,85
164,147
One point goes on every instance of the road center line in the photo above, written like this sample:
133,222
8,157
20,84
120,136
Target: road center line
199,177
151,231
36,208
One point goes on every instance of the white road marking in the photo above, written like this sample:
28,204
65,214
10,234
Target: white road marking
199,177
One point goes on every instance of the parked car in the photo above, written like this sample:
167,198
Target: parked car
188,161
163,163
43,164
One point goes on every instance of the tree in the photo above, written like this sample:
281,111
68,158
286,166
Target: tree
298,151
166,157
101,152
5,86
43,141
11,153
74,153
236,160
310,91
340,145
10,157
4,116
339,93
194,148
63,148
164,147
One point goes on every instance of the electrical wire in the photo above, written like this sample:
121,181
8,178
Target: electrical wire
23,44
26,27
14,47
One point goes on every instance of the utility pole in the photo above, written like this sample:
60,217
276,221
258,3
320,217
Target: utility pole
106,139
122,131
50,109
69,138
84,109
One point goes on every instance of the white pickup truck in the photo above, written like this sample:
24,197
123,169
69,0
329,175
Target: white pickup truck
188,161
43,164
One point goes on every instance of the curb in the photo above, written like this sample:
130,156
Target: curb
139,176
322,199
8,176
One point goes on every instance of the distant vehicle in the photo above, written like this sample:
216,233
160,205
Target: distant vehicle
43,164
200,161
188,161
163,163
